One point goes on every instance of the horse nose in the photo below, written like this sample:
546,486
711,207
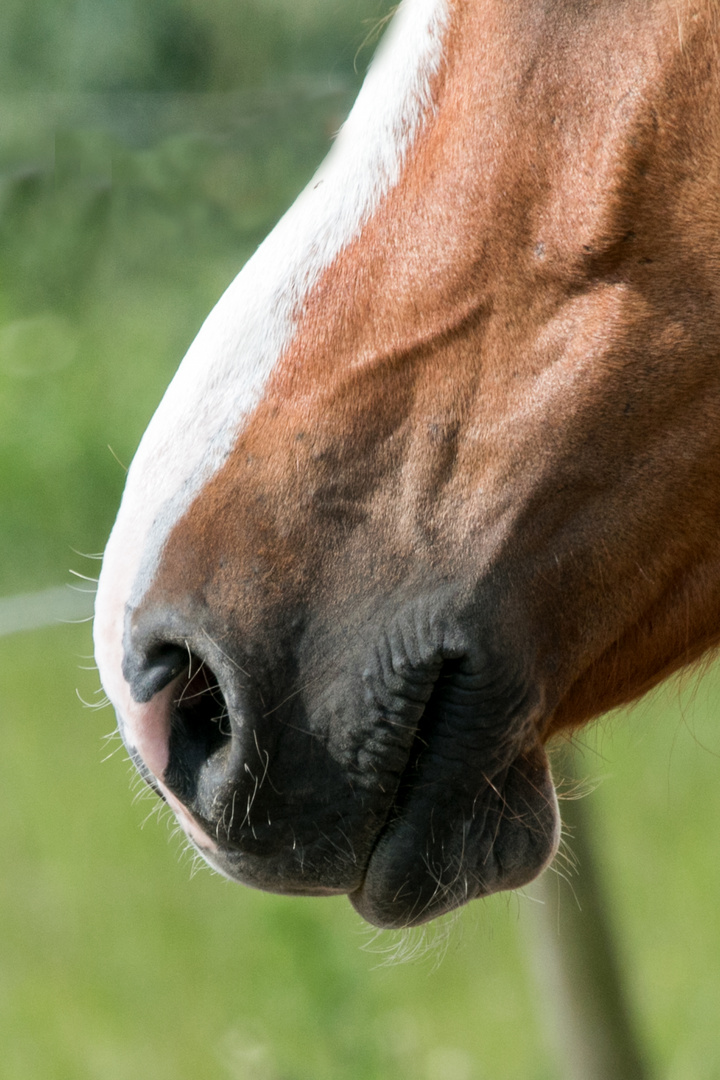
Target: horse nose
148,669
180,721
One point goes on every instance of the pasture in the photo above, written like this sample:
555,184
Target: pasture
126,205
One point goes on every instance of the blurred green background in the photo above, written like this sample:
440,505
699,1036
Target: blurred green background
145,150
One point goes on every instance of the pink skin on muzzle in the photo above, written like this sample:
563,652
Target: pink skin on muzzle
145,727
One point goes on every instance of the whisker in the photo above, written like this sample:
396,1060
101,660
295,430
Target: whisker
87,555
84,577
92,704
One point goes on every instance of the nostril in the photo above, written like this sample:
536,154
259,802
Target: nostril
200,732
150,672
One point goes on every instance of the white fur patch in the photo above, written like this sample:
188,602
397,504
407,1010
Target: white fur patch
225,370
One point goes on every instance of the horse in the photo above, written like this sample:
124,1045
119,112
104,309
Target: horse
439,478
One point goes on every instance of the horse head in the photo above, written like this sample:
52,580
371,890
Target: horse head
440,475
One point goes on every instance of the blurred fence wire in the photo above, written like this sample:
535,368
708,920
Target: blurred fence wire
32,611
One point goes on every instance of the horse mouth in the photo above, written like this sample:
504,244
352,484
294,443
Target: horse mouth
442,848
475,810
468,812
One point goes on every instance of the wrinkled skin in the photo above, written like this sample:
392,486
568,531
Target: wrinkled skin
479,501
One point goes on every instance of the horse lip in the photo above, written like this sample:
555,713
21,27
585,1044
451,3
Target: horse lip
444,783
359,896
517,840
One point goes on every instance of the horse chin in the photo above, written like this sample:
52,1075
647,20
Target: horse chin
445,849
437,851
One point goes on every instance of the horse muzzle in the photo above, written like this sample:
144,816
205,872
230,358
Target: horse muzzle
408,773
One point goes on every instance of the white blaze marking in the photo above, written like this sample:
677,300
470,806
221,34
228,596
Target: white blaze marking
226,368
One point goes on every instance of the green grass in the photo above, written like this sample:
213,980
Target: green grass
658,839
124,212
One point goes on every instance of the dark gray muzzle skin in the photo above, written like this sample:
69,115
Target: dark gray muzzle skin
396,759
